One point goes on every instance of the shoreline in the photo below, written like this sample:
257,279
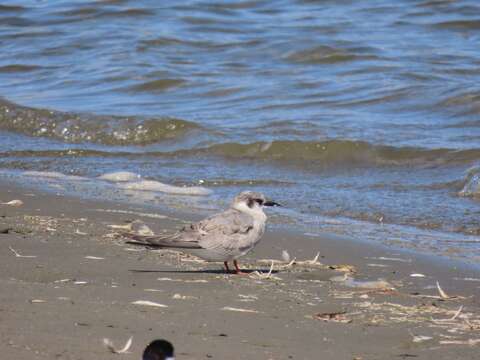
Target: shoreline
77,284
188,214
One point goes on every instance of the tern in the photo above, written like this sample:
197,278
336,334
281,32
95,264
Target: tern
223,237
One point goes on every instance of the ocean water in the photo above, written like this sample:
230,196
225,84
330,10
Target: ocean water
361,117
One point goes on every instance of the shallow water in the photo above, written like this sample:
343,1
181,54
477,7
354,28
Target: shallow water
361,117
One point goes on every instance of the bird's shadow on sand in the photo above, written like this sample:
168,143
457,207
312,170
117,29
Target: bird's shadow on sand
204,271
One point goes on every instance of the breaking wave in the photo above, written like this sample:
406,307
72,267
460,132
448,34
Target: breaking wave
331,153
77,128
339,152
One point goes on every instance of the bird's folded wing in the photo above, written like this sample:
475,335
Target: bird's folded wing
162,241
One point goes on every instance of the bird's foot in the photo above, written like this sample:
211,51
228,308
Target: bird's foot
241,273
237,269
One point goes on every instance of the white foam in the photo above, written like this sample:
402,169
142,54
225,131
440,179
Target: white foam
120,176
150,185
472,184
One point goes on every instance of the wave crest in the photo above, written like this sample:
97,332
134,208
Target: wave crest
77,128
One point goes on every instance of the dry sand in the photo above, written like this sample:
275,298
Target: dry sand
73,282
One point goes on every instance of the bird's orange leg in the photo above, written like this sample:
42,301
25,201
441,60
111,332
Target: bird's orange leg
227,270
237,269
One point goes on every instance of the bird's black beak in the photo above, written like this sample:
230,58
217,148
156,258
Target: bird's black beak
271,203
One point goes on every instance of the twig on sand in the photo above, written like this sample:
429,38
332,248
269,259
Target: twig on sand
109,344
442,293
457,313
267,275
20,256
314,261
284,264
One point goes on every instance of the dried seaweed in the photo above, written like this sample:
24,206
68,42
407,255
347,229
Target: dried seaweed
338,316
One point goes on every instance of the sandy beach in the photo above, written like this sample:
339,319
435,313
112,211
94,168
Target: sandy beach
69,281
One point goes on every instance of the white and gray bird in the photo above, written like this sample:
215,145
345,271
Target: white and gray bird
222,237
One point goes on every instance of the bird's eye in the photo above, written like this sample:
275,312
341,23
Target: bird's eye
259,201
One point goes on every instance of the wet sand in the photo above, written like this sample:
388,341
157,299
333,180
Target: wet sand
73,281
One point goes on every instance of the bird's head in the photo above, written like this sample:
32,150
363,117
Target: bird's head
159,350
252,200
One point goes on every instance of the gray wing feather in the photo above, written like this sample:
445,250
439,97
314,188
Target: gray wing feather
162,241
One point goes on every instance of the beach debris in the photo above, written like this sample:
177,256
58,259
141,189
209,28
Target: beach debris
378,265
121,227
20,256
421,338
78,232
110,346
343,268
279,263
268,275
196,281
247,298
80,282
133,249
13,203
62,281
286,256
388,313
337,316
453,318
286,262
471,342
148,303
192,259
183,297
442,293
417,275
229,308
153,290
94,258
37,301
314,261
